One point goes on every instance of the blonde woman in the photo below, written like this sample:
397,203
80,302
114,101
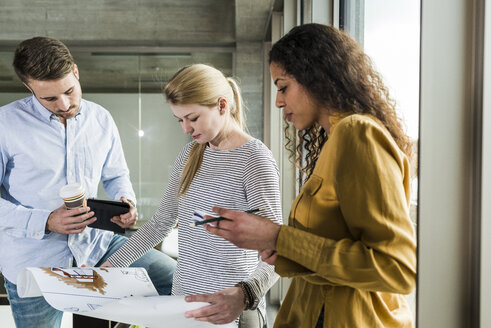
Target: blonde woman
223,165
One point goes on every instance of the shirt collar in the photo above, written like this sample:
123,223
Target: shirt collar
47,115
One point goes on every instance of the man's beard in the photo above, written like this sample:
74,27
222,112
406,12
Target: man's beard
73,111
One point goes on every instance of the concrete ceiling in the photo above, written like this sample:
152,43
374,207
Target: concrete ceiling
124,45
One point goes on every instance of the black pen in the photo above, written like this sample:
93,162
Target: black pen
219,218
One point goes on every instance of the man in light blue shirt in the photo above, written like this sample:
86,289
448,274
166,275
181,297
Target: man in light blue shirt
47,140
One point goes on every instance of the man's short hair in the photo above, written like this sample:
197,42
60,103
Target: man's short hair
42,59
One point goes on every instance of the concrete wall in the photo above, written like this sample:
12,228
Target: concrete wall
120,21
249,72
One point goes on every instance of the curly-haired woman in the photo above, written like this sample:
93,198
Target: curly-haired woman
350,244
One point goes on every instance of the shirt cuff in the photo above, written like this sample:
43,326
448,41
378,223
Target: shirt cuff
283,242
36,228
287,251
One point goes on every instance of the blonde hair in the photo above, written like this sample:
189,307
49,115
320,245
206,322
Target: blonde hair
203,85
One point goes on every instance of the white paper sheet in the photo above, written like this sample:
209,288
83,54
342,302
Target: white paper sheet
118,294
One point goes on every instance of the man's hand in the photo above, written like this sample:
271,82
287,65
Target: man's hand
225,306
71,221
128,219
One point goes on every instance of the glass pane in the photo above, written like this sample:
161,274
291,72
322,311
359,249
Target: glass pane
391,39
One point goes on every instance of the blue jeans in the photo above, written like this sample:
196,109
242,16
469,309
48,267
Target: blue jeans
36,312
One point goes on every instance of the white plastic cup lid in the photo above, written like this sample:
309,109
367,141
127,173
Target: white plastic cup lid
71,190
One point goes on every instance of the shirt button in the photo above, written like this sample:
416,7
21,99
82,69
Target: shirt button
36,234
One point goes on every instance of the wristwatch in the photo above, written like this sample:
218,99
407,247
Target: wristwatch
131,202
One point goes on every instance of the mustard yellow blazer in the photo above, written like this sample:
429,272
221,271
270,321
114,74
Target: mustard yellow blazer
350,244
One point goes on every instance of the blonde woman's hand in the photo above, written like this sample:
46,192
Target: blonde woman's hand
106,264
225,306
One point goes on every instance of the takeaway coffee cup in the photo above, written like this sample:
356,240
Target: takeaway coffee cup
74,195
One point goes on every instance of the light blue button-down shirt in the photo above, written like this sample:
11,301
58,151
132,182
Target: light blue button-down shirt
38,156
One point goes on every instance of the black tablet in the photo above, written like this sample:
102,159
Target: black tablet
104,210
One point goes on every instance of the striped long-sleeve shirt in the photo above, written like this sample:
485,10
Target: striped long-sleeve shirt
242,178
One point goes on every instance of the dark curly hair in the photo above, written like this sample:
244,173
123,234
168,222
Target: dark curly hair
337,74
